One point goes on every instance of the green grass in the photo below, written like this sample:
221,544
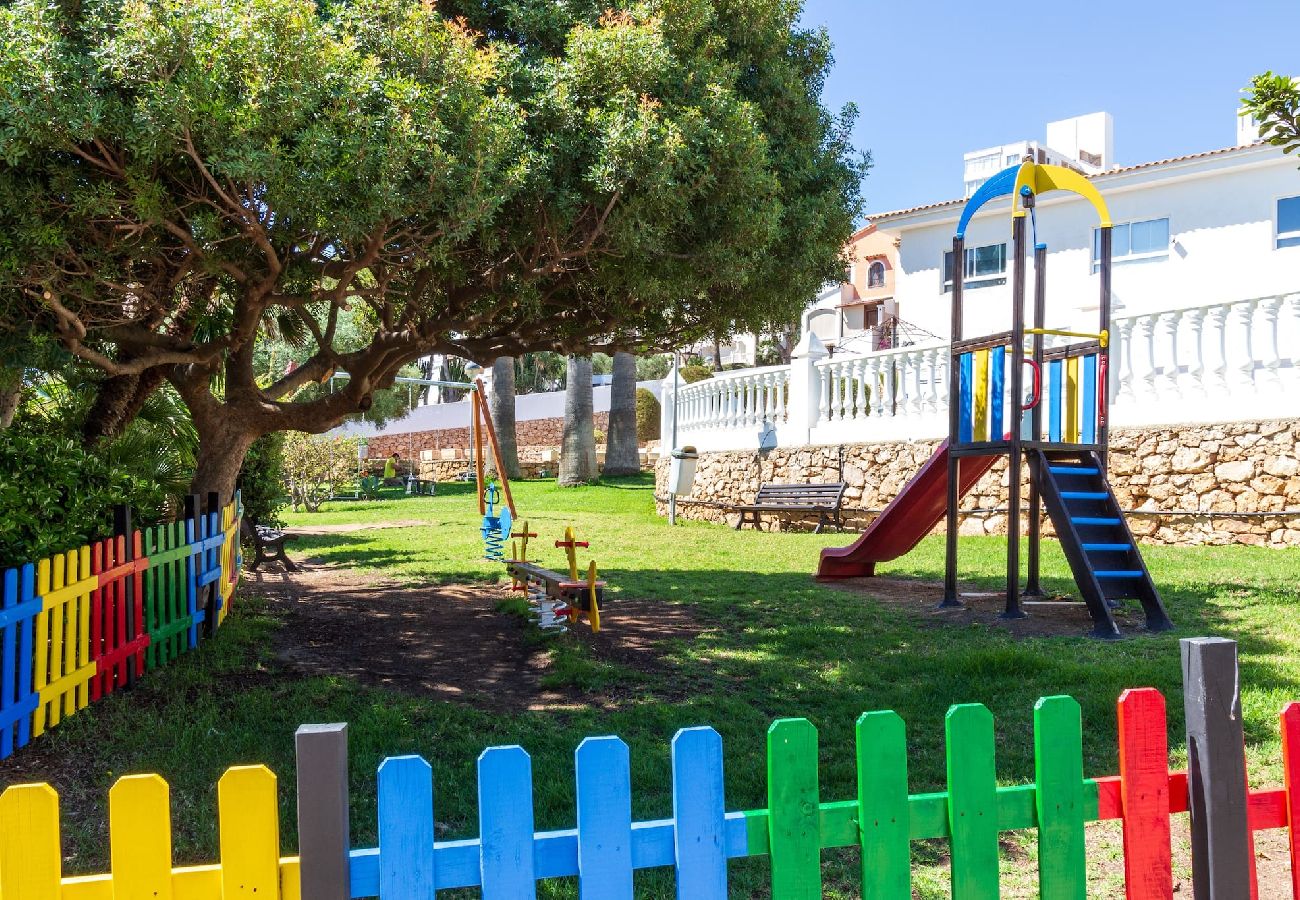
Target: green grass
776,644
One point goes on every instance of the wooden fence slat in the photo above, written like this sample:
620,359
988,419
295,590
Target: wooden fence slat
699,814
972,801
1144,793
1291,783
794,819
324,835
1058,777
19,606
604,801
1222,853
31,860
505,809
406,834
884,818
249,824
140,838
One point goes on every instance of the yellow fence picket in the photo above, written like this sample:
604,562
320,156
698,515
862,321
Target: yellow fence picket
31,863
63,665
140,838
250,834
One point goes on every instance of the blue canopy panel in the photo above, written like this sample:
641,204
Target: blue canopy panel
1000,185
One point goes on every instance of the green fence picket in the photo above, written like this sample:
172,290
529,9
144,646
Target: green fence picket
1058,772
884,823
794,815
972,802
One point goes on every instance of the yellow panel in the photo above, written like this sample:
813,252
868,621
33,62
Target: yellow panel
83,619
1070,427
140,838
197,883
42,675
250,834
88,887
980,387
593,617
30,860
1041,179
290,879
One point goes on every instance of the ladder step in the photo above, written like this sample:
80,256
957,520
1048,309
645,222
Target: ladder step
1089,520
1120,573
1084,495
1074,470
1107,548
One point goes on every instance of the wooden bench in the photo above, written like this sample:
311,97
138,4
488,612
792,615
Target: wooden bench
268,543
822,499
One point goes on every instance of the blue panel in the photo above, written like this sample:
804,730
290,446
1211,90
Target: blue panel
997,392
406,861
505,815
193,563
737,835
604,819
999,185
1054,403
965,411
699,809
1088,432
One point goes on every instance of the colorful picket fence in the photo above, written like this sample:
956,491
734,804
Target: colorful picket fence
83,624
509,857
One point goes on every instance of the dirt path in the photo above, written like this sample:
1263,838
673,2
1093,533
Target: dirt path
448,641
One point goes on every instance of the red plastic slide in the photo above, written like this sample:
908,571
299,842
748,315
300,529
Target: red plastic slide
910,516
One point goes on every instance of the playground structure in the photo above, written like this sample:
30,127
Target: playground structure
991,416
508,858
557,602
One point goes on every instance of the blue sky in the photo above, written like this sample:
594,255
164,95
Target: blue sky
935,78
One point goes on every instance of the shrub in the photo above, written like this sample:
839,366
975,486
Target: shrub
695,372
56,495
647,415
261,480
316,466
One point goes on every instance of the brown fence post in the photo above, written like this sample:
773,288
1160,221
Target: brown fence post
324,838
1222,851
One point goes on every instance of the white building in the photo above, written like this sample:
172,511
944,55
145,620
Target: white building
1084,143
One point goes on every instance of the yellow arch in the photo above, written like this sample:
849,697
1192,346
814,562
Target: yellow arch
1042,178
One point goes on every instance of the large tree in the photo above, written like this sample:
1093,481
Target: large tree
178,178
502,408
1274,102
621,448
578,442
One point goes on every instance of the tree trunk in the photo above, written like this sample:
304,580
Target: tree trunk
621,440
578,450
118,401
502,406
11,395
717,356
223,444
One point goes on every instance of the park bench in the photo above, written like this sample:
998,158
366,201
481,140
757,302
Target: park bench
802,499
268,544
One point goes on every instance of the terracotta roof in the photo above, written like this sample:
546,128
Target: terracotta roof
1116,171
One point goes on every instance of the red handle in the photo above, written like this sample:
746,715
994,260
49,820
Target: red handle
573,543
1102,390
1038,385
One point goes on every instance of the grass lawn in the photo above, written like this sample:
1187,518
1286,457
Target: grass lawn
775,645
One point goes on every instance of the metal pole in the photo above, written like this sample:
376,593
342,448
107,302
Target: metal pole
1103,436
1013,610
950,597
677,377
1032,586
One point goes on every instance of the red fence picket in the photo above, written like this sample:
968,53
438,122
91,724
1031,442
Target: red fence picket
118,636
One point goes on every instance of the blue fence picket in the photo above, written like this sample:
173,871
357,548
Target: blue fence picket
505,810
604,819
406,835
18,606
997,392
699,812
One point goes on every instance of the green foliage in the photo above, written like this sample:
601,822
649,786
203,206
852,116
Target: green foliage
695,372
653,368
56,496
539,372
1274,101
602,364
261,480
315,467
648,411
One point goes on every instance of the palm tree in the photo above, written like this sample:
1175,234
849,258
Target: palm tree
621,442
502,408
578,446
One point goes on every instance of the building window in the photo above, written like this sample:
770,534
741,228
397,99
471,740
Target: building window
985,267
1134,242
1012,159
1288,222
876,275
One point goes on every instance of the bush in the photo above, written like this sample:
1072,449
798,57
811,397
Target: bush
653,368
695,372
315,467
261,480
56,495
648,413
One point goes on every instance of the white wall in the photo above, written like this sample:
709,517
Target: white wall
1221,213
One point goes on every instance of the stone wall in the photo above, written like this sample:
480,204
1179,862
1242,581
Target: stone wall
1240,482
530,433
